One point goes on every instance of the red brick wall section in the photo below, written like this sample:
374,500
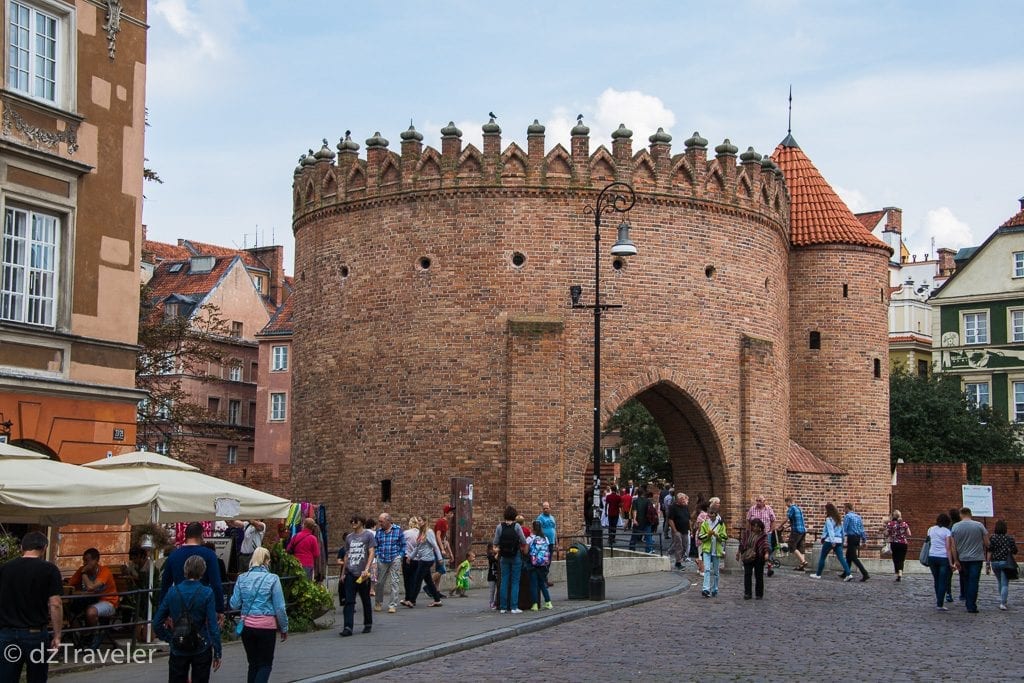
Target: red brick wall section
811,491
266,477
1007,482
924,490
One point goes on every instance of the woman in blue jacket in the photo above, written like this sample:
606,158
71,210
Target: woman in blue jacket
198,601
259,596
832,539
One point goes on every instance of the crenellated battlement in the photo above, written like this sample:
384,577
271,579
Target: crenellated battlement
748,180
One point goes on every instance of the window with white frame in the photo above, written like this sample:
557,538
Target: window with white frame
1017,325
31,248
976,328
977,393
163,447
278,407
1018,401
232,455
279,361
38,50
163,411
235,373
1018,264
234,412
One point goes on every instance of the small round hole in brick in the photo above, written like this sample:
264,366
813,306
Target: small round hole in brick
344,271
424,263
709,272
618,264
518,259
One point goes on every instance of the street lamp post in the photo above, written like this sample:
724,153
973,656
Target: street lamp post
615,197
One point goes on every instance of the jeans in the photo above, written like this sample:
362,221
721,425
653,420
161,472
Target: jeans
387,578
642,529
259,652
826,548
970,577
940,575
27,641
178,667
510,570
1000,567
754,570
351,589
852,546
539,584
711,567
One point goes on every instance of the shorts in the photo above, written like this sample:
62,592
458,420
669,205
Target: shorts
796,541
104,608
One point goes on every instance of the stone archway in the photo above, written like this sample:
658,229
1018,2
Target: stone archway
693,438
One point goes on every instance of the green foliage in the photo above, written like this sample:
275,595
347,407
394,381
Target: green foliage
644,451
306,599
931,420
10,548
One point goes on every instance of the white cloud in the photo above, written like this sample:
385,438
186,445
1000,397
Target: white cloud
854,199
946,228
641,113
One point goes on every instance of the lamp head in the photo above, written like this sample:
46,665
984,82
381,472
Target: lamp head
623,245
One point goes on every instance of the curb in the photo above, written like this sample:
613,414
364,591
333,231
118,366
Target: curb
488,637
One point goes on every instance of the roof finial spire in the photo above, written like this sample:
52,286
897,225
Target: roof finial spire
789,121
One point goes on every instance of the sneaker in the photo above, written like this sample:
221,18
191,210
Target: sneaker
367,628
436,603
534,607
391,610
848,578
517,611
378,607
706,594
942,609
864,578
346,632
714,594
504,611
949,598
747,597
1001,606
814,576
548,605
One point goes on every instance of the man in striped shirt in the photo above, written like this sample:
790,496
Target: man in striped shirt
762,511
390,554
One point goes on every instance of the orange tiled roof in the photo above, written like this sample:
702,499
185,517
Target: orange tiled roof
869,219
206,249
802,460
165,252
904,338
1015,221
817,215
281,322
164,283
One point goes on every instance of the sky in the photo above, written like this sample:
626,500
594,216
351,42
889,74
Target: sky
902,103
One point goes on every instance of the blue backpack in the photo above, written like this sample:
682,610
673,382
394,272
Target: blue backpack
540,551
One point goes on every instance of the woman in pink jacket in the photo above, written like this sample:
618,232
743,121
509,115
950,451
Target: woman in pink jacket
306,546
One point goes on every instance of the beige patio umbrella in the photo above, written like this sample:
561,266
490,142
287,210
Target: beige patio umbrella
34,489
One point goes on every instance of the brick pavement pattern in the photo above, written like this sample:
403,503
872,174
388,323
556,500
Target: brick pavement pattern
874,631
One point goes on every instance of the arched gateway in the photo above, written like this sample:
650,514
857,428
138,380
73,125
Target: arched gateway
434,335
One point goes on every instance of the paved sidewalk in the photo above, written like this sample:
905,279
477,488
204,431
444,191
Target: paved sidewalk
411,635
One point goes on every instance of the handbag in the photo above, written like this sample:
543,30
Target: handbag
886,550
1012,572
926,550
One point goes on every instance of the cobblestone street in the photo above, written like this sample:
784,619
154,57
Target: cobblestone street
804,630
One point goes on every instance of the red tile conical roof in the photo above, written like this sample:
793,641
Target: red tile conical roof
816,213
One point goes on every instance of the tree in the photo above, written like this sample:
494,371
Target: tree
645,452
931,420
172,348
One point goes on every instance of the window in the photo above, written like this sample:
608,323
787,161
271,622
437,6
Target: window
877,363
611,454
163,447
1018,401
33,51
30,252
280,359
232,455
278,410
922,368
213,406
1018,264
236,328
977,393
1017,326
976,328
164,411
234,412
814,341
235,373
258,281
252,413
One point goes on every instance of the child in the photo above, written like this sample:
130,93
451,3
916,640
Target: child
462,576
493,573
540,560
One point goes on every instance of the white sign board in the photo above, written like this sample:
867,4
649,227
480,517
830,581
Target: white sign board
979,499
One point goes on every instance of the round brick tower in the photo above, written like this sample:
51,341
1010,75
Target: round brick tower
434,335
839,353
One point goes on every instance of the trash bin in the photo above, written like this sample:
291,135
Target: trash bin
577,572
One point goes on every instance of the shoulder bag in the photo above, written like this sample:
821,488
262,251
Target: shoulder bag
926,550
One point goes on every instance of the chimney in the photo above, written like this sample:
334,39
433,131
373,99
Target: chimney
273,257
947,264
893,220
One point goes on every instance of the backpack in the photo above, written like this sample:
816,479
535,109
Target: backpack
186,636
540,551
651,515
508,540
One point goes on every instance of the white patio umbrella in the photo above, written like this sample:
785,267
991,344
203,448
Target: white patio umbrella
187,495
35,489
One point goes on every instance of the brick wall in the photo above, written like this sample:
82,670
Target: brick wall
924,490
1007,495
811,491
